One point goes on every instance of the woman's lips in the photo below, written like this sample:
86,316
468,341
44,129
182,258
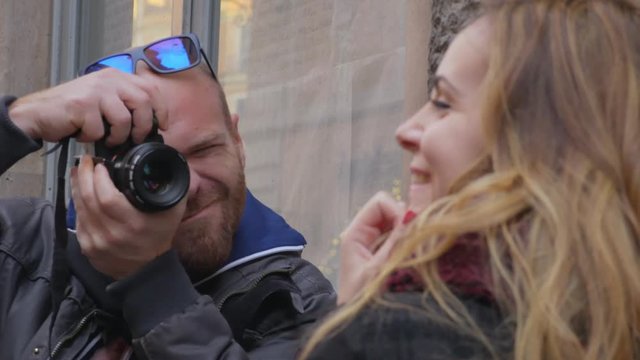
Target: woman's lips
408,216
419,177
420,189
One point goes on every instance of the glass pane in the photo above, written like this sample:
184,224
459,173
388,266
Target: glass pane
115,25
108,29
172,54
155,19
319,87
120,62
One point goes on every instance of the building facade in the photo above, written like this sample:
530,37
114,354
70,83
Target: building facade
319,85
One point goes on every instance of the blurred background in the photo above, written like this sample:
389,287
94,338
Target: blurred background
319,85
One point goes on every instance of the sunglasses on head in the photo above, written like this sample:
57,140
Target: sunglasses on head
165,56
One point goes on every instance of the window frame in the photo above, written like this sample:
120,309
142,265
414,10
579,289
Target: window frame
72,45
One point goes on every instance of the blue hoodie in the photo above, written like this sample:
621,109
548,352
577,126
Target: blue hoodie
261,232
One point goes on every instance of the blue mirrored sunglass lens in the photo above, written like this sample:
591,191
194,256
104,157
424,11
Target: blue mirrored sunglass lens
172,54
120,62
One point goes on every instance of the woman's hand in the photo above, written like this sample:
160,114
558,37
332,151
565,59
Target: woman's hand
367,243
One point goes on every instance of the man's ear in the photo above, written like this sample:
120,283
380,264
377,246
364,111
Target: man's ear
235,133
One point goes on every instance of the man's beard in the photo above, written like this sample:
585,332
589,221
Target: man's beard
204,244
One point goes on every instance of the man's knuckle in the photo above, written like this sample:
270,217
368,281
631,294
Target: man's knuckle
87,199
109,200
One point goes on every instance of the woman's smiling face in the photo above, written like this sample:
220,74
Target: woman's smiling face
445,136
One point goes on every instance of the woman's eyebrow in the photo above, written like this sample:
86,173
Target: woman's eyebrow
439,79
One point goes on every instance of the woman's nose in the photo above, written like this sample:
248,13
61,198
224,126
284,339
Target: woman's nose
408,135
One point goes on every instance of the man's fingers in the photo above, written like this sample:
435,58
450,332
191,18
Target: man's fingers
84,183
158,103
142,111
111,201
142,100
85,226
142,124
91,128
125,101
118,119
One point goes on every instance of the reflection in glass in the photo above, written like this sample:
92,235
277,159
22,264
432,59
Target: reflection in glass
173,53
120,62
155,19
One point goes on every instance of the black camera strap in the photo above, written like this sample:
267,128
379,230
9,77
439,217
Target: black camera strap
59,267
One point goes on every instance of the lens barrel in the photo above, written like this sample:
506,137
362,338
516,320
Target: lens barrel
153,176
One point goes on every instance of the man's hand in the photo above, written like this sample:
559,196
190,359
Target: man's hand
117,238
367,243
127,102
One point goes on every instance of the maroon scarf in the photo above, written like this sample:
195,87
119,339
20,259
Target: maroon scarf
463,268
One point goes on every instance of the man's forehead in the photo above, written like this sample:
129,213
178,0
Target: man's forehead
198,116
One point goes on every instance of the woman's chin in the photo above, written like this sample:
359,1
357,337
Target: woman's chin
419,197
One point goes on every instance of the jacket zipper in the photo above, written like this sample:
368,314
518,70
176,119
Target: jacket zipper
81,324
74,332
252,285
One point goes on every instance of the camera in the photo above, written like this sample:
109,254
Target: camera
152,175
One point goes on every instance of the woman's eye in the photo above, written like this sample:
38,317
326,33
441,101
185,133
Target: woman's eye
440,104
438,99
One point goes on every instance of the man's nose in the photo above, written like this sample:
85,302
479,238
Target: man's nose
142,68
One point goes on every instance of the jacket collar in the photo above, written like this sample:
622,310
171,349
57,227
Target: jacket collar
261,232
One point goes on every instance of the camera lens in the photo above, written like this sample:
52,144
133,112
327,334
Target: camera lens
153,176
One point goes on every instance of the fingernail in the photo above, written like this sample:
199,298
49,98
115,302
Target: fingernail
408,216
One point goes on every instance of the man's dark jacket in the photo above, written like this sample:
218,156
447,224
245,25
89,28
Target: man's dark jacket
272,297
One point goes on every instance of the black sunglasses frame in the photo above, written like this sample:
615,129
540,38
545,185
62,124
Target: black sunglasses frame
137,54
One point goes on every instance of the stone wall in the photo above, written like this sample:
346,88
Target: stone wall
25,32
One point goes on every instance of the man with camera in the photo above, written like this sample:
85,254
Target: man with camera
168,261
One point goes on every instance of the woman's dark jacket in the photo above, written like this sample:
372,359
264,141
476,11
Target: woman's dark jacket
405,331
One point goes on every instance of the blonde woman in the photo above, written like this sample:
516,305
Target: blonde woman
526,181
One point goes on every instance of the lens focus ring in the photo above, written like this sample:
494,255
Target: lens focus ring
153,176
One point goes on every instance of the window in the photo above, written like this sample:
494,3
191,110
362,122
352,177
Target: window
319,87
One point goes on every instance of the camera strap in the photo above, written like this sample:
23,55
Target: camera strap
59,267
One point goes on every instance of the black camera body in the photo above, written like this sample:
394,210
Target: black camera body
152,175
